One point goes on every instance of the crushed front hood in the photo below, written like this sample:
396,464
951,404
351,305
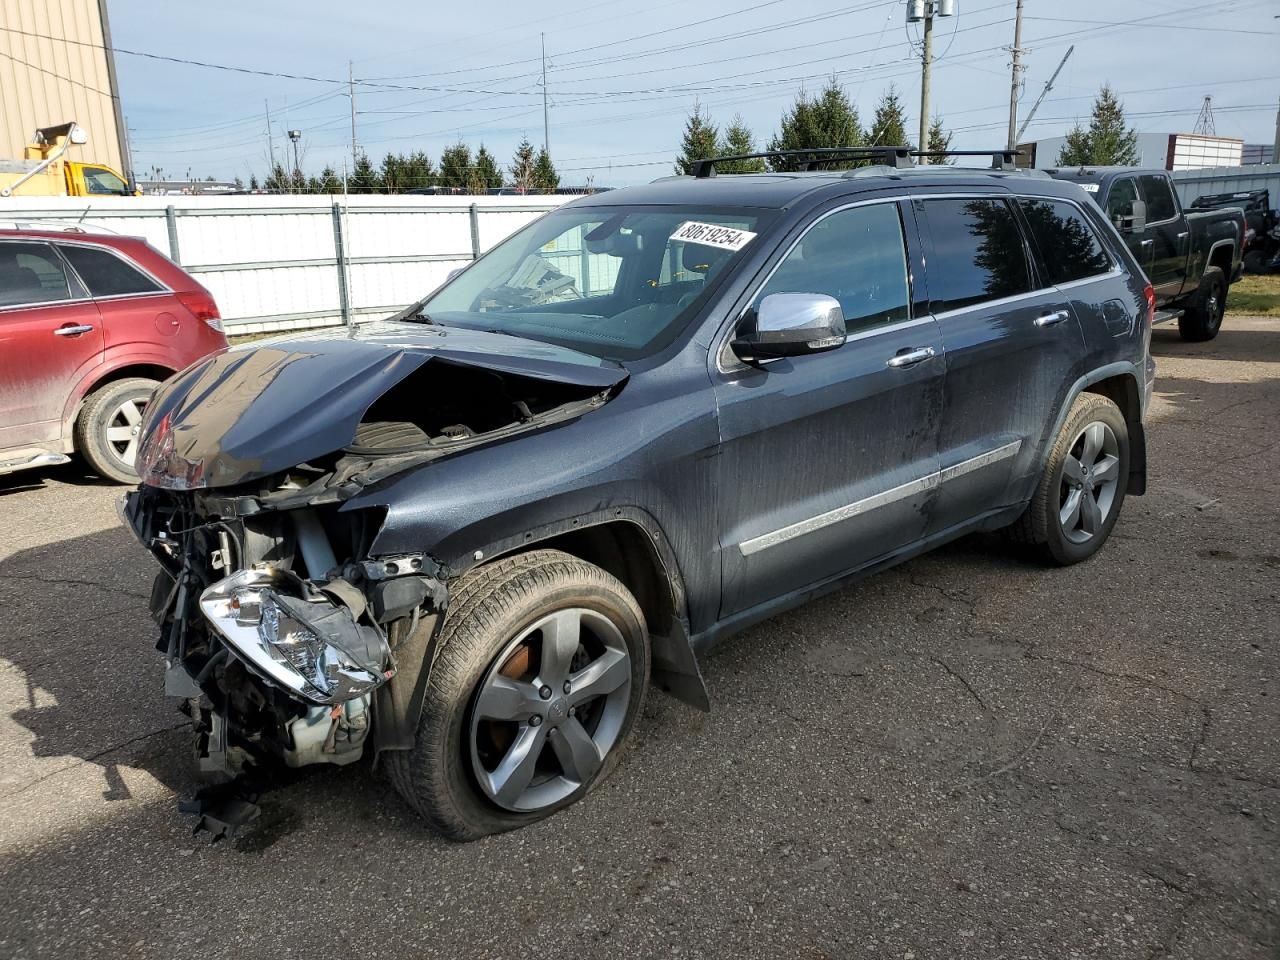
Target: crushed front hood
251,412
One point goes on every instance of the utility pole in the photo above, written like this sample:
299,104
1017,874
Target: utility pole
1015,82
271,144
1275,151
351,95
923,11
546,121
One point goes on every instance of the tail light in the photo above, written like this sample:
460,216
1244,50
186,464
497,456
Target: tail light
1150,294
202,307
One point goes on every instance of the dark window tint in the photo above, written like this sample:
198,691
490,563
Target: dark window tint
31,273
977,253
107,275
1068,247
1159,197
1120,199
856,256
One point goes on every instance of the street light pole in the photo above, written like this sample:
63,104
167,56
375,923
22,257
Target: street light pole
295,136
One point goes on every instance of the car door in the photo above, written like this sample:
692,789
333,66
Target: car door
50,336
1121,201
135,307
1166,235
1010,342
826,460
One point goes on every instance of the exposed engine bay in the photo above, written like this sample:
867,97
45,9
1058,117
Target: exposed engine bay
284,638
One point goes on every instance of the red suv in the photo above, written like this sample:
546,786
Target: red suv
89,325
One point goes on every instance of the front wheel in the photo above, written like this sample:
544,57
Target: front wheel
108,428
1082,486
542,669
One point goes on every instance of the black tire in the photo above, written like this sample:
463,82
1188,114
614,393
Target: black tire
1041,527
487,609
101,413
1255,261
1202,318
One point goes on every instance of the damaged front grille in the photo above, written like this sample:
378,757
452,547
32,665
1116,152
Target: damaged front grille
275,626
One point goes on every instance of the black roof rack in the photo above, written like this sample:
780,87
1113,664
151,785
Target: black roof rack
896,156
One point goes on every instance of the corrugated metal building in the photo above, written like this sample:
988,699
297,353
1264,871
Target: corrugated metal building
55,66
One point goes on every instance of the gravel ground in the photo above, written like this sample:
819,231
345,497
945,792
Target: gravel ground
967,756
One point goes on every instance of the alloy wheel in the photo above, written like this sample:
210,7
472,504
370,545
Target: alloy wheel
123,427
549,709
1090,480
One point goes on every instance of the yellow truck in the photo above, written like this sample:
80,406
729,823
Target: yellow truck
44,170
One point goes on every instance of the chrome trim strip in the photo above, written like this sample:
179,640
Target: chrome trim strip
980,461
867,504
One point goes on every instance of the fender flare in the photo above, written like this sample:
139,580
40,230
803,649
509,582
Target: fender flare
104,370
1137,483
674,664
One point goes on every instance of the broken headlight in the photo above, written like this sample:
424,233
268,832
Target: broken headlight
295,637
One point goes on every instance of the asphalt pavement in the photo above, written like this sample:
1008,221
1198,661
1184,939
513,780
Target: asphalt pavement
969,756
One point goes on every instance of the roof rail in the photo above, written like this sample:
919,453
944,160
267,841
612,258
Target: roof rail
896,156
812,158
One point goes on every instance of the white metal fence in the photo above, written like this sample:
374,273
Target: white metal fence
1197,183
290,262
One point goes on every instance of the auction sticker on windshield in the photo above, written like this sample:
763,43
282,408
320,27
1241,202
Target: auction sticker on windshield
713,235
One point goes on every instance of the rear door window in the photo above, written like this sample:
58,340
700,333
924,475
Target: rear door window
978,253
1159,197
856,256
1068,246
107,275
31,273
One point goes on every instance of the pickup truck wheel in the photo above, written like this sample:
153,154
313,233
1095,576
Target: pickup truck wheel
1203,316
541,671
107,430
1082,486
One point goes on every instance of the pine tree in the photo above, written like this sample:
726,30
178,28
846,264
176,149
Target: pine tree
455,167
522,167
738,140
889,125
278,180
827,120
364,178
487,171
699,141
253,182
939,139
545,178
1106,141
239,183
392,171
328,182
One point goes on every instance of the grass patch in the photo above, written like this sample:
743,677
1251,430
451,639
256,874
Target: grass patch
1256,294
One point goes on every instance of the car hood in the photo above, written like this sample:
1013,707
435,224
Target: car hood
250,412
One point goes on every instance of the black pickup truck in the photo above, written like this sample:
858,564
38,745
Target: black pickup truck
1190,258
1262,225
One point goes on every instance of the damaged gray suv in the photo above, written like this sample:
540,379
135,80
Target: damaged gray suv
463,541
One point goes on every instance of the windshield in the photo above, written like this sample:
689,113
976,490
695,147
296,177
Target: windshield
615,282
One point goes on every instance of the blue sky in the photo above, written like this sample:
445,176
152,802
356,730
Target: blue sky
623,76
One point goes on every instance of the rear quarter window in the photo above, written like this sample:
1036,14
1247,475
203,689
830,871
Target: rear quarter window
978,253
1068,246
107,275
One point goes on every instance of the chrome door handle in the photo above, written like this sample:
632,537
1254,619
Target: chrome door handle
1184,234
1148,243
1049,319
73,331
910,358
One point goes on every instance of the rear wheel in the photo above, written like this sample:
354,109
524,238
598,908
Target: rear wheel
542,669
1203,317
108,429
1082,487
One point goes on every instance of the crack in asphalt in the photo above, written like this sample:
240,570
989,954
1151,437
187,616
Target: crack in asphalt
963,682
73,581
93,757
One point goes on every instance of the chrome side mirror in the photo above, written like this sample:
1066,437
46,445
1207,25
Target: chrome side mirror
790,325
